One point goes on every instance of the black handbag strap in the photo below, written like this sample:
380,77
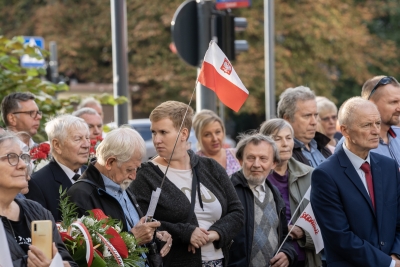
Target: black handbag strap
195,185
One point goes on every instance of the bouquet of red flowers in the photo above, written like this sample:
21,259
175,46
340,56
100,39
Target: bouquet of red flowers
40,155
93,146
97,240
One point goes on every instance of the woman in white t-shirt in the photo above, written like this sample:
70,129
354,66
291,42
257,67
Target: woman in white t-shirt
201,237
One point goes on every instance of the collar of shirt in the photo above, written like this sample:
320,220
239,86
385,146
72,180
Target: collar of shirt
26,148
313,144
258,191
391,134
355,160
112,188
70,173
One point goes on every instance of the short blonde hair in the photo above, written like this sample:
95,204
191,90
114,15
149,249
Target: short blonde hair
324,105
175,111
202,119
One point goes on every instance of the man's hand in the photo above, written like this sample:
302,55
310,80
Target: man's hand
297,232
396,259
199,237
165,237
143,231
36,257
280,260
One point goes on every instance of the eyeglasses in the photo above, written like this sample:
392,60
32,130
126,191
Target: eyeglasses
13,158
326,119
32,113
384,81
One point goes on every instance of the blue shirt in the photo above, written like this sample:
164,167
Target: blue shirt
313,155
391,149
113,189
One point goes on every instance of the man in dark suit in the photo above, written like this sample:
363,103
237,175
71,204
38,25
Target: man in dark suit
69,146
358,210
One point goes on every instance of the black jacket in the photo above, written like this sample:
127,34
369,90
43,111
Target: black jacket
45,185
173,208
240,252
321,140
88,196
32,211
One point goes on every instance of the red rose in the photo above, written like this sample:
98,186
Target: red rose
41,155
45,148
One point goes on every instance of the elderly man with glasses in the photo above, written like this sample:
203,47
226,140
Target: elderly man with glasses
384,92
21,115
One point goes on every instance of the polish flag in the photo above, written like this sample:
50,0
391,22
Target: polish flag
218,75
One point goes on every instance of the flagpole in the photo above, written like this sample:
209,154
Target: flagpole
283,242
294,213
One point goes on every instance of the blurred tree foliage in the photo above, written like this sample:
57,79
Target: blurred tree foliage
330,46
14,78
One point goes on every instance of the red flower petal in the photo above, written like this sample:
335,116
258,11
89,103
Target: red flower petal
118,243
99,214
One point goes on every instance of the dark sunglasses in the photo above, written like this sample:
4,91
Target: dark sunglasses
384,81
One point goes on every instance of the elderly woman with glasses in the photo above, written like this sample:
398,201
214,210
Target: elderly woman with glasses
17,214
327,118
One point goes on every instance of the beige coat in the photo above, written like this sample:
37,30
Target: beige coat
299,182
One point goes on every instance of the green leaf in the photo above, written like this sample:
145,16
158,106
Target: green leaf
32,72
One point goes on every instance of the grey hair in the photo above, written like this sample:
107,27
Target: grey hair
121,143
88,102
288,100
274,126
324,105
57,128
8,135
83,111
257,138
349,107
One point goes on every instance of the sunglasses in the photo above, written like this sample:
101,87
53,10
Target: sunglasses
384,81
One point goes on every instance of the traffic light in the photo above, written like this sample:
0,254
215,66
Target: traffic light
226,27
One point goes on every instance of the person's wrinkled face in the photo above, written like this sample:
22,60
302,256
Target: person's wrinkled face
13,173
284,141
212,137
95,123
327,121
257,163
74,150
304,122
387,99
363,133
123,173
27,117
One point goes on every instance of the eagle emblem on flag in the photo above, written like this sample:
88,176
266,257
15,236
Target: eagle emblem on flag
226,67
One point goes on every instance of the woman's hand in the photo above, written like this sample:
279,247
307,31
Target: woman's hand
36,257
297,232
165,237
213,236
199,237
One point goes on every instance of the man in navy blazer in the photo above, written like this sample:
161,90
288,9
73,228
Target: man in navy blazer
69,146
359,215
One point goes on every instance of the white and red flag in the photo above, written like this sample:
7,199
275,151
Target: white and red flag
218,75
308,223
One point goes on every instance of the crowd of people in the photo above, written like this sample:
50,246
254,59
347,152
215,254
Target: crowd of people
218,206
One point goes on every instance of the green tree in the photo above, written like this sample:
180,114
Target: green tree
14,78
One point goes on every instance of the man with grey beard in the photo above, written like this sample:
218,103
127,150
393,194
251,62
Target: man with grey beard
104,185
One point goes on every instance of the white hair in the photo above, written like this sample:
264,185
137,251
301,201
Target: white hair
349,107
121,143
59,126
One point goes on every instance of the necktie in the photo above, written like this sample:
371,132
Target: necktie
368,177
76,177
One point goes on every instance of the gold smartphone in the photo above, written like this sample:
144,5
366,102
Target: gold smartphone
42,236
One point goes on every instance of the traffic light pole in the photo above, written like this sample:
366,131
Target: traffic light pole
205,98
120,58
269,46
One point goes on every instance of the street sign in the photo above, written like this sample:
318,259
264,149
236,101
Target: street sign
184,32
225,4
31,62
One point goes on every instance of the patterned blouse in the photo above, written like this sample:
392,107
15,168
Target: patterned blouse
232,164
